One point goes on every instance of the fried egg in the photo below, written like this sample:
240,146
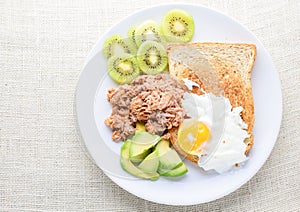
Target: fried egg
214,131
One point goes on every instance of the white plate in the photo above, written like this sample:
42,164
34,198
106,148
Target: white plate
196,187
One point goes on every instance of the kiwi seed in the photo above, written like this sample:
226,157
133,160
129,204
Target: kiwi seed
116,45
178,26
123,68
149,30
152,57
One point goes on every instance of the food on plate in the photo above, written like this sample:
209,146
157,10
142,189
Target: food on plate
228,68
117,45
147,41
140,127
221,127
152,100
152,57
148,156
149,103
141,145
203,109
128,166
131,34
170,164
123,68
178,26
192,134
149,30
150,163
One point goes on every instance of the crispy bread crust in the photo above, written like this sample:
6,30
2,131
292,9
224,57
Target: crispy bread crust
233,63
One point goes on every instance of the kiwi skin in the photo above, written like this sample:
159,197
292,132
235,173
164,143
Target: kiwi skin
116,44
152,57
116,65
183,20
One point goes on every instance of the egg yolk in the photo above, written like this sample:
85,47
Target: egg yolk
192,134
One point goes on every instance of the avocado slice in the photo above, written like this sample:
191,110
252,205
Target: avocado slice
128,166
168,161
141,145
176,172
162,147
140,127
162,170
168,157
150,163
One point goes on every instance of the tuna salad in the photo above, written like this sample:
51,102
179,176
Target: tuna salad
152,100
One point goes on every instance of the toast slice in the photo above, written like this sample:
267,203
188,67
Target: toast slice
219,68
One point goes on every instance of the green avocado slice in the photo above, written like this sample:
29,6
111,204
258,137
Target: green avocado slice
141,145
176,172
128,166
150,163
168,157
140,127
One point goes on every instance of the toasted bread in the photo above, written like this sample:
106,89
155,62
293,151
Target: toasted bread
231,63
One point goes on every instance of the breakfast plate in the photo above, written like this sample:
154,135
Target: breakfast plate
196,186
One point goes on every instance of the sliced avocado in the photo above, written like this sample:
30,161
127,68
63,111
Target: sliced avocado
170,160
140,127
163,146
141,145
168,157
128,166
179,171
162,170
150,163
140,157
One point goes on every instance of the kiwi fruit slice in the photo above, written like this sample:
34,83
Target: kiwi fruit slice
123,68
152,57
117,45
178,26
149,30
131,34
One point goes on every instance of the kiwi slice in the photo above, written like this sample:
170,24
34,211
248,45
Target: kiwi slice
123,68
152,57
178,26
149,30
131,34
116,45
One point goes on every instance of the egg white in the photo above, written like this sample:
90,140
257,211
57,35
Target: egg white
226,146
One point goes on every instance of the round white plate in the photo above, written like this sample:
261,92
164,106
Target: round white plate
195,187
